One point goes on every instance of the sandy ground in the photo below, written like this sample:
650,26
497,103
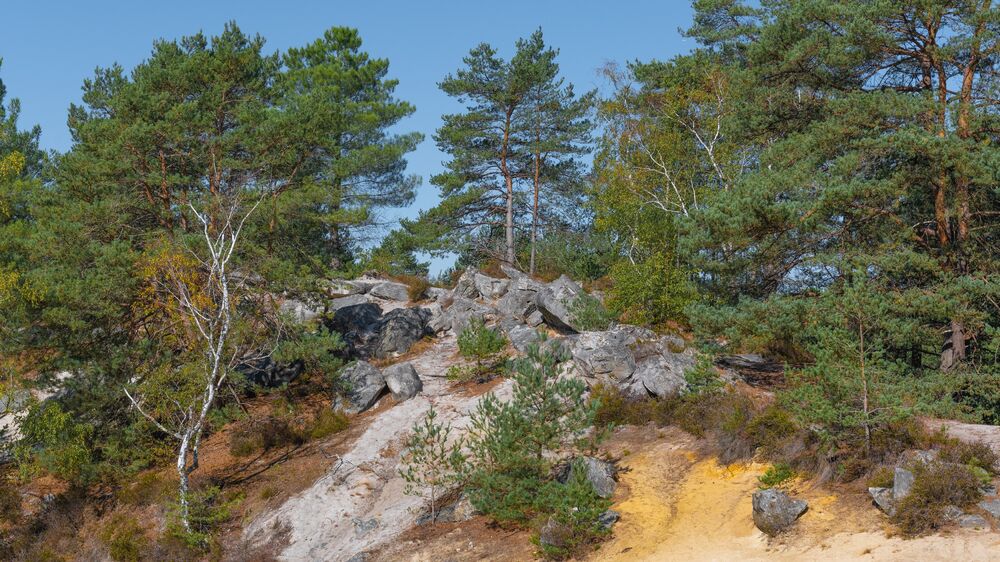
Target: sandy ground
677,507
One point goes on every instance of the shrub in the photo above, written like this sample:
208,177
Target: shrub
775,475
264,435
514,445
650,292
483,345
51,441
327,422
433,462
883,477
974,455
576,506
124,538
935,486
208,509
589,313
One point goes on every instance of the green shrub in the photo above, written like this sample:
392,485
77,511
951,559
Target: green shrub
883,477
935,486
515,444
589,313
328,422
124,538
776,475
53,442
434,462
974,455
208,509
576,506
651,291
484,346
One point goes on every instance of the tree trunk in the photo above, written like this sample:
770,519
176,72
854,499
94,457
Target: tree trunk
509,180
534,207
182,473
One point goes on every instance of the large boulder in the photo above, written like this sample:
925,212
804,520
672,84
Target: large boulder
902,483
358,326
399,329
403,381
554,301
391,291
603,356
466,286
774,511
491,287
519,300
520,335
299,311
661,376
350,300
362,384
882,498
992,507
461,312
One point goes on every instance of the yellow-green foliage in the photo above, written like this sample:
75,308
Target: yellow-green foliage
124,538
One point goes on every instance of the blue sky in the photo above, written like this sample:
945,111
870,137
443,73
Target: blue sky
49,47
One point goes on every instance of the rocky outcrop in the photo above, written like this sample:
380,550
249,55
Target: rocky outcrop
368,333
603,357
554,302
659,376
349,300
362,385
403,381
774,511
391,291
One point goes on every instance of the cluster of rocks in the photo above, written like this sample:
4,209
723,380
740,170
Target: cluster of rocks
363,385
636,360
888,498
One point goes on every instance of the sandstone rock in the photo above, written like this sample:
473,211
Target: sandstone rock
952,512
391,290
992,507
659,376
403,381
363,384
350,300
270,374
364,526
466,286
882,497
554,301
358,326
399,329
608,518
972,521
902,483
519,300
298,310
462,311
774,511
603,356
520,335
490,287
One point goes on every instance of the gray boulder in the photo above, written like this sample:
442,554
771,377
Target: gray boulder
340,287
603,356
774,511
519,300
466,286
400,328
608,518
391,290
350,300
491,287
902,483
972,521
600,474
456,512
661,376
520,335
554,301
403,381
362,386
358,326
268,373
462,311
992,507
882,497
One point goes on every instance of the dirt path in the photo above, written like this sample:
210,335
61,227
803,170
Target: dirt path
359,504
676,507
